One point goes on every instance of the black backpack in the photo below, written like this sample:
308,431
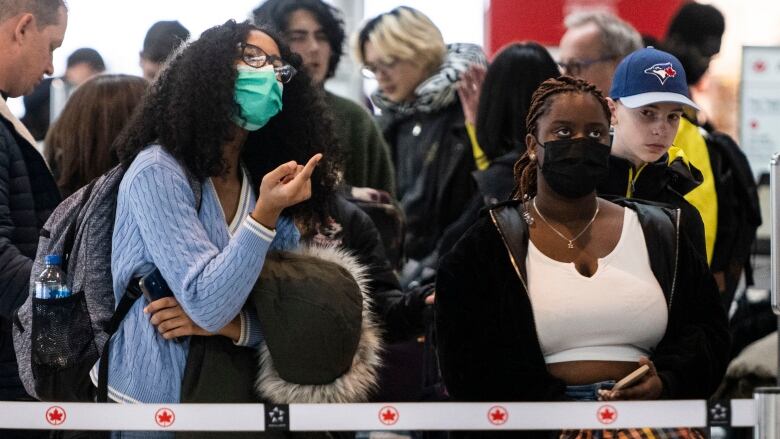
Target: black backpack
739,212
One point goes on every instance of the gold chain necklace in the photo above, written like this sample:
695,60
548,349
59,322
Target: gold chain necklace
570,241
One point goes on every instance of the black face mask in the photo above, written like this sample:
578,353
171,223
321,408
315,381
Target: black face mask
574,167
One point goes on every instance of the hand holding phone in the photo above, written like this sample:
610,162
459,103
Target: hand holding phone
632,378
154,287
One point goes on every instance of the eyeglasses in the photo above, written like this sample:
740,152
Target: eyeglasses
575,67
255,57
369,71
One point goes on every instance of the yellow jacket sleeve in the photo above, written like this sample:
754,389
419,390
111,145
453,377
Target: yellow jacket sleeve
480,158
703,198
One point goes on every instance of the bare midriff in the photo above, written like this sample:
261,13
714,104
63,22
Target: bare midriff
576,373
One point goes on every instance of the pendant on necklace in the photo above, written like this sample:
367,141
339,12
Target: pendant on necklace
571,244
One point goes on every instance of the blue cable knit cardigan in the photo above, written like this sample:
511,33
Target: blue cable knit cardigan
210,272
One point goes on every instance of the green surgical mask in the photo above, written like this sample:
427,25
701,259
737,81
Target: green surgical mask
259,95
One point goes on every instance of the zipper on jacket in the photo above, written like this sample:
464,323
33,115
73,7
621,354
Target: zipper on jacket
676,255
631,187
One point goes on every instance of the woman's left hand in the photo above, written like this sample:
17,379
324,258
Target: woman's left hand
649,387
171,320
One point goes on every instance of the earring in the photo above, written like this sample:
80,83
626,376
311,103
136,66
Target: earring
532,157
527,217
526,214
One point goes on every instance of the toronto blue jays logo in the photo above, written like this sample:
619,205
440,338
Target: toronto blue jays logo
662,71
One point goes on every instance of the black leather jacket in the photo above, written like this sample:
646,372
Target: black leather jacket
433,161
487,342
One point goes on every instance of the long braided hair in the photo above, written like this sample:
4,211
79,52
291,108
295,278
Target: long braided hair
525,167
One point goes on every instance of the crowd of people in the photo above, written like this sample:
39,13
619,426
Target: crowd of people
518,229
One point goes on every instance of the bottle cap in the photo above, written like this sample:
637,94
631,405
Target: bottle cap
53,260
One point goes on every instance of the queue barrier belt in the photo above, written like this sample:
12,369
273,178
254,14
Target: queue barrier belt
376,416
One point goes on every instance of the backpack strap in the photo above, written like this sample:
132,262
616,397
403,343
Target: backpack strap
132,293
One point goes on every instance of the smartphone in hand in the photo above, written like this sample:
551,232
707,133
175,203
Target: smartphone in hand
632,378
154,287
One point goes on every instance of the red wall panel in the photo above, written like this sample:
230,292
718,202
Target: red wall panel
542,20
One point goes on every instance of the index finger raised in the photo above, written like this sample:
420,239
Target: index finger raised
310,165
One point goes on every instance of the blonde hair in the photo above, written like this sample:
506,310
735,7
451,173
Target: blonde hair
402,34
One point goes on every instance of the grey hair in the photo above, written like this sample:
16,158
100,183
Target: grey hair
618,38
45,11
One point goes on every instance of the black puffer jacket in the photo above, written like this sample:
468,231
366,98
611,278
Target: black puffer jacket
28,194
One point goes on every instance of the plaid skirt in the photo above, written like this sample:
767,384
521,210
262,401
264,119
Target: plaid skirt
635,433
589,392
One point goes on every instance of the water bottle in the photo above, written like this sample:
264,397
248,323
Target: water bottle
51,283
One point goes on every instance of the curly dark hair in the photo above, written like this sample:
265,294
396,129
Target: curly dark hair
276,13
189,107
525,167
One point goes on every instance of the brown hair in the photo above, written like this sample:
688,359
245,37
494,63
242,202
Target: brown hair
525,167
78,145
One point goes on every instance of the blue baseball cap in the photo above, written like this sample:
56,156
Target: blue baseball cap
650,76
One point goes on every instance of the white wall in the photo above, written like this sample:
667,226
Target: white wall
116,29
748,23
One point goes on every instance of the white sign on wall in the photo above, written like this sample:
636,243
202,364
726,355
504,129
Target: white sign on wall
759,121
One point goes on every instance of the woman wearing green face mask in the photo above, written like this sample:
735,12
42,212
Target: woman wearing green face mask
218,160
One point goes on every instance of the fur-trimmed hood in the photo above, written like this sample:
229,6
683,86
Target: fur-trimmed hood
358,382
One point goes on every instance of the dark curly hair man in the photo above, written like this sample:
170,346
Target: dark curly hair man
315,31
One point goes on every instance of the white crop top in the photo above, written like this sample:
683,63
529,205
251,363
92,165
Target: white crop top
618,314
